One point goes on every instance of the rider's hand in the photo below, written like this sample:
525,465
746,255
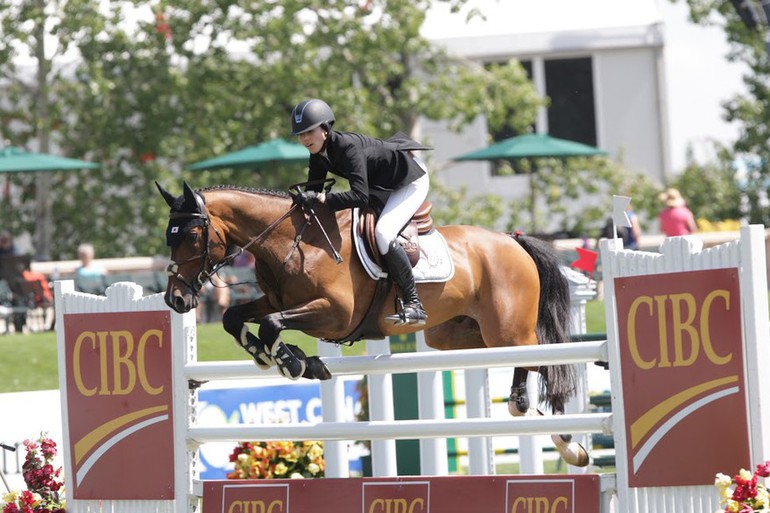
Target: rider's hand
308,198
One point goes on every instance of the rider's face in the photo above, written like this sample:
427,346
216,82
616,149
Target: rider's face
313,139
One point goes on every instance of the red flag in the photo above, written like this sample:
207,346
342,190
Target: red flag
586,260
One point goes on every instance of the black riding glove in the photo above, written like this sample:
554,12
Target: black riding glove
306,198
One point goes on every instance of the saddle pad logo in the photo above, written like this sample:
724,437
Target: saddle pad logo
396,497
681,353
119,405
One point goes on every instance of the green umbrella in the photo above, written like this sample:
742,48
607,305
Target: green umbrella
274,150
531,147
16,160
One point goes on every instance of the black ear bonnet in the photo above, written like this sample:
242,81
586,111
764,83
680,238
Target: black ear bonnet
187,212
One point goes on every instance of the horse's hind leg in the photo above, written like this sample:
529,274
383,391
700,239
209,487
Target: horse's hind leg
518,404
518,401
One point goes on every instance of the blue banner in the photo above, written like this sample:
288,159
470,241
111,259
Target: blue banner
265,404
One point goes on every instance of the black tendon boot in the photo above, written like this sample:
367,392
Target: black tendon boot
400,271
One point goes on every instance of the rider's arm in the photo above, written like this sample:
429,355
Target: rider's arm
353,164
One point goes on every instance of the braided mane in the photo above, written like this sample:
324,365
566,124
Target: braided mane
250,190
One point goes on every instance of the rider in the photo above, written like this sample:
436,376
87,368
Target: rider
374,168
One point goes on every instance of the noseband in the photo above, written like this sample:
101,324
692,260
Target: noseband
172,269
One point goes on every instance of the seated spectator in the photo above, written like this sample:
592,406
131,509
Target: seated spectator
89,277
88,267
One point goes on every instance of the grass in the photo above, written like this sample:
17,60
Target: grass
29,362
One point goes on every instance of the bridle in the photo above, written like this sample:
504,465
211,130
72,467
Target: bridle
172,269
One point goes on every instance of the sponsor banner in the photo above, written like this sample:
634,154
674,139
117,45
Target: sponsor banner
119,396
561,493
265,404
684,391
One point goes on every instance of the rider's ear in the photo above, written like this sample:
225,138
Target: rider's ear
170,199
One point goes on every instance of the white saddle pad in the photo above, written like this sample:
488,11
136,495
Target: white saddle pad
435,264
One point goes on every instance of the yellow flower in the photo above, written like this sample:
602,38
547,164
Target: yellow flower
10,497
745,474
280,468
313,468
296,475
723,481
733,506
316,451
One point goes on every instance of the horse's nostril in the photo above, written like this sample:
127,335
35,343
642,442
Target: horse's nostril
179,305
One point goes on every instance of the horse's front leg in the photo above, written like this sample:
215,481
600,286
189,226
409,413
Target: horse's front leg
268,349
234,321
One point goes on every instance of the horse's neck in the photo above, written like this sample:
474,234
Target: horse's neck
246,215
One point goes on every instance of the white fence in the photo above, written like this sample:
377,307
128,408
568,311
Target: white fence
679,254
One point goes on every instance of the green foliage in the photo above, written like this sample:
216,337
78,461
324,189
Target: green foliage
189,80
558,184
750,111
710,189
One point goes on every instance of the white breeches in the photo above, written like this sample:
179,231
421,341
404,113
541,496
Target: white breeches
399,209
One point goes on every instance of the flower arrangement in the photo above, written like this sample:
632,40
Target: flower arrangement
742,493
277,460
44,485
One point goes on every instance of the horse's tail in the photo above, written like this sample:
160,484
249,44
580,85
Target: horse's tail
558,382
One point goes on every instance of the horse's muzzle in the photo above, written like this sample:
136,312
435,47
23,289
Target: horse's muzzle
179,302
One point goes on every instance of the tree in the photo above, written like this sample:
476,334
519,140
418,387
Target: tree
749,111
188,80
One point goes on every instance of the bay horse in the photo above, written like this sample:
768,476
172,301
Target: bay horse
506,290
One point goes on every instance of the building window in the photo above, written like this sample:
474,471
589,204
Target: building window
569,86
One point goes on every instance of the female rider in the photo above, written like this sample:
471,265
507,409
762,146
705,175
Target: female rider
374,168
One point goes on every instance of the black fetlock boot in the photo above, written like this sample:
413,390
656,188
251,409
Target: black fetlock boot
400,271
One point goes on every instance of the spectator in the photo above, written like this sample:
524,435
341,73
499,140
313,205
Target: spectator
675,218
88,268
6,244
630,235
89,277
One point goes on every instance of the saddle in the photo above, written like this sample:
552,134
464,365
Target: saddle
420,224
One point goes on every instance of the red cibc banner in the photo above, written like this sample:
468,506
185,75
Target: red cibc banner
119,399
684,391
463,494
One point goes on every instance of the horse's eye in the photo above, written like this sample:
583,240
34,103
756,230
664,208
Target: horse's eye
192,237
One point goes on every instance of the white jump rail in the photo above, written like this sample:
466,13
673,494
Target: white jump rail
488,358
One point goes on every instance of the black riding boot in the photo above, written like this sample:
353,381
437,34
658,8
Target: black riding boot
400,271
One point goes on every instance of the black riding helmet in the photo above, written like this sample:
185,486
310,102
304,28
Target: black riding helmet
309,114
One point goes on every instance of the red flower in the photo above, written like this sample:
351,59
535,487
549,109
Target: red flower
763,469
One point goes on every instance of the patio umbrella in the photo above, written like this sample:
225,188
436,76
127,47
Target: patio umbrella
274,150
17,160
532,147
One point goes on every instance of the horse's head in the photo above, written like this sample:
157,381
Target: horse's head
194,252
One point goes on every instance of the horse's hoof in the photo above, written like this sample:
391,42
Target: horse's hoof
515,409
518,406
316,369
288,364
572,453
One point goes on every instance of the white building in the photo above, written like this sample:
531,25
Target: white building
601,63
